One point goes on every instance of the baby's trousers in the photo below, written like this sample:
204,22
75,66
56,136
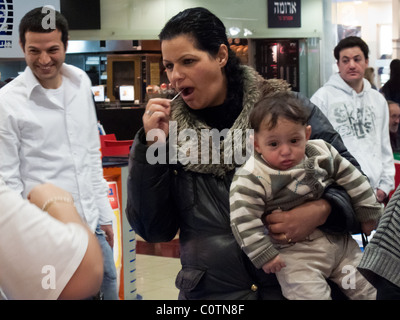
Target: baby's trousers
310,262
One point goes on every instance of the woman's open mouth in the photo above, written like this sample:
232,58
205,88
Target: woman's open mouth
186,91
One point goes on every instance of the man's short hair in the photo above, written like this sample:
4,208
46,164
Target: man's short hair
32,21
351,42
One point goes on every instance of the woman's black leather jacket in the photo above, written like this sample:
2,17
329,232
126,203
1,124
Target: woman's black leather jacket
166,198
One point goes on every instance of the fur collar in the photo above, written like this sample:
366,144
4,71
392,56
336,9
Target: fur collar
191,152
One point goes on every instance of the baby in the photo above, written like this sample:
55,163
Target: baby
287,170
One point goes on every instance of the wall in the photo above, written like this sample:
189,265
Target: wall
369,15
11,13
396,28
143,19
11,68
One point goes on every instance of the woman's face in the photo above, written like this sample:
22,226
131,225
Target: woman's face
200,76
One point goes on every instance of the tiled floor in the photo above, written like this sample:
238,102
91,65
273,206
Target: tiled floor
155,277
157,267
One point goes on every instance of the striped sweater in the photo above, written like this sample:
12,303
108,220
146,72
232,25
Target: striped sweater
257,189
382,255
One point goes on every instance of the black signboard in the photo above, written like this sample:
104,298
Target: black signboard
284,14
81,15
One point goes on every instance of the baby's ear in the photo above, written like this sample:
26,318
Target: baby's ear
253,138
308,132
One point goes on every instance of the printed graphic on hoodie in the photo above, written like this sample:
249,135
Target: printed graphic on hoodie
352,121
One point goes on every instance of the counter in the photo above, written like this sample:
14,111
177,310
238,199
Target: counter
124,121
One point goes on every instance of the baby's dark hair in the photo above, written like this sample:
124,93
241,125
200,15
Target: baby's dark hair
267,111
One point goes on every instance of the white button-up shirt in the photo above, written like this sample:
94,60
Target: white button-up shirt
45,141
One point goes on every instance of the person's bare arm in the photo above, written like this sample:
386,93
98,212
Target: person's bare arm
88,276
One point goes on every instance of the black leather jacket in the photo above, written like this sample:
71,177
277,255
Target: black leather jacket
165,198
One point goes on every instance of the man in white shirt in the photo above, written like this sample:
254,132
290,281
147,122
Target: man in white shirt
46,256
359,114
48,131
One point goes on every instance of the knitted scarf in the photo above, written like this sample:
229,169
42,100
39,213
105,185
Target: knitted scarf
255,87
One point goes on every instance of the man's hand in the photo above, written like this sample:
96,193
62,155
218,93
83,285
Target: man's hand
380,195
108,229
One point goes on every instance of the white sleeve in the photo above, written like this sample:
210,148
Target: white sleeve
9,146
38,254
386,182
100,186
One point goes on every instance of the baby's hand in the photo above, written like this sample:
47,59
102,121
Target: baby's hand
274,265
368,226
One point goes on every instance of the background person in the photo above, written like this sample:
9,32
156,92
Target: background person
360,114
391,89
193,196
394,120
370,76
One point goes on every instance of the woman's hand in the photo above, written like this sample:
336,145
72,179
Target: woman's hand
43,192
156,120
59,203
296,224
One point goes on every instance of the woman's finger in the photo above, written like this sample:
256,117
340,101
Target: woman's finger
158,104
276,228
156,120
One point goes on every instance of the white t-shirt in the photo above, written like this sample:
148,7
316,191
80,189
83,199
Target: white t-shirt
38,254
56,95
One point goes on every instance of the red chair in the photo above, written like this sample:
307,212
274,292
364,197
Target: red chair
110,146
396,176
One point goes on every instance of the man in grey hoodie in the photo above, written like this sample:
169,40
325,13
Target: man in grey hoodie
359,114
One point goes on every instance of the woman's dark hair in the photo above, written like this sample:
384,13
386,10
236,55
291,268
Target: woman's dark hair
391,89
208,33
33,21
395,70
351,42
267,111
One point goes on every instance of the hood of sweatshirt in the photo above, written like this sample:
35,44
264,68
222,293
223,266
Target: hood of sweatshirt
337,82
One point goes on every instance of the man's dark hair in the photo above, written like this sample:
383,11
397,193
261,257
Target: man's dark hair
351,42
267,111
32,21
